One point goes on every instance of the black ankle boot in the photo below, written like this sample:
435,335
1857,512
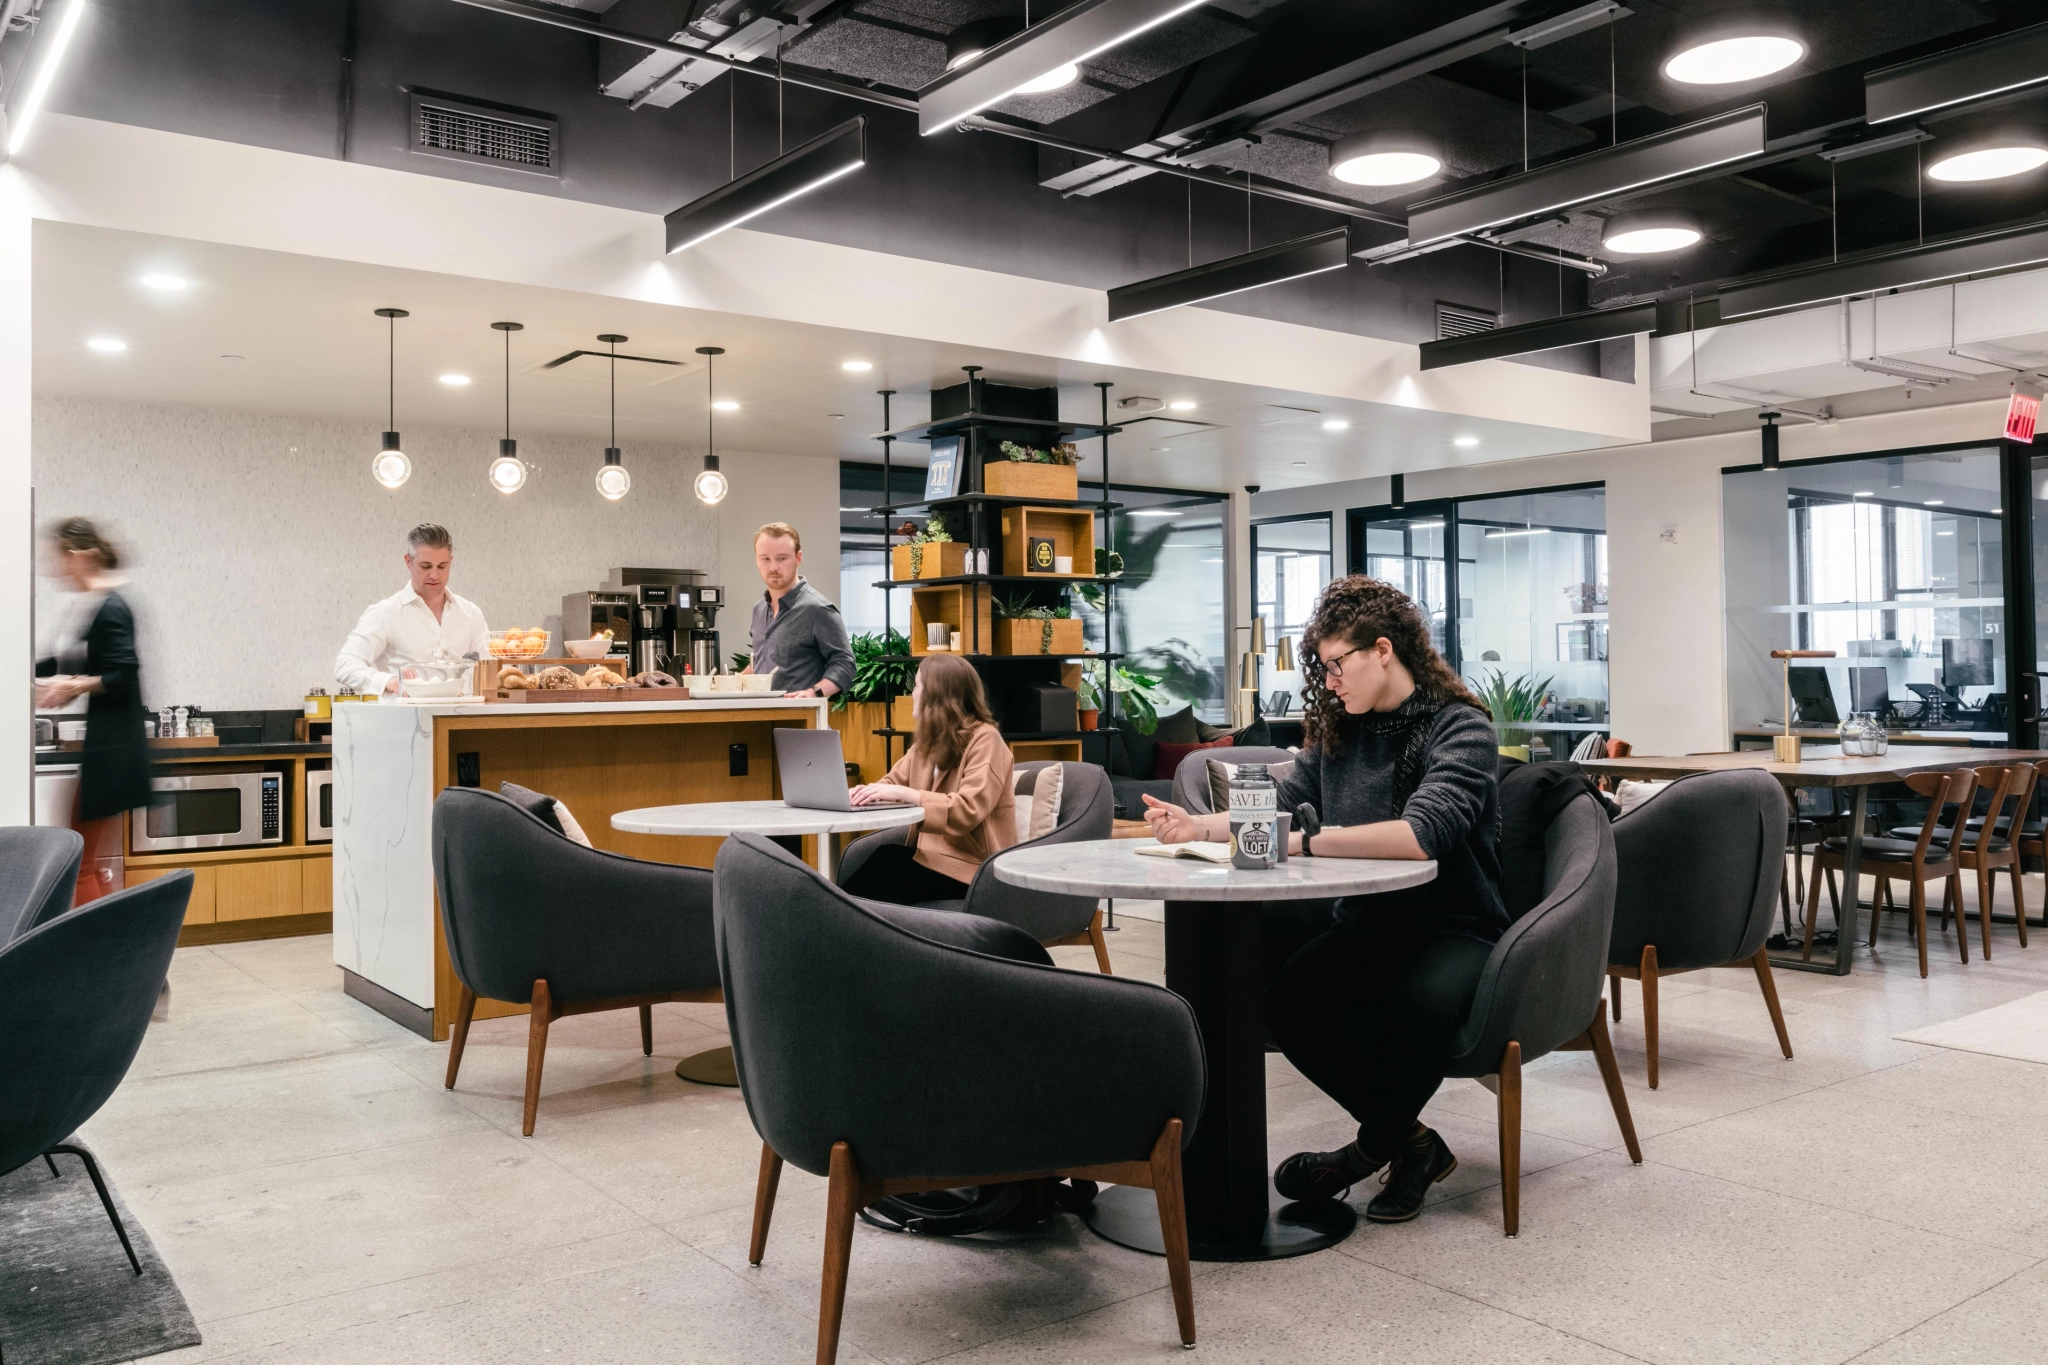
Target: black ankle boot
1324,1175
1422,1161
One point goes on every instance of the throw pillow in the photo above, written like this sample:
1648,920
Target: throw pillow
1170,755
1220,774
1180,727
1631,794
1255,735
534,803
1024,804
1206,732
1045,802
1531,795
1138,752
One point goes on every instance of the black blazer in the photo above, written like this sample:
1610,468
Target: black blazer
114,773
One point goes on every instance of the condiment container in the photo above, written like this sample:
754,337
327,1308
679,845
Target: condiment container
319,706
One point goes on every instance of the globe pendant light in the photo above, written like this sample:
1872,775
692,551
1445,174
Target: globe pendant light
508,471
711,485
613,481
389,466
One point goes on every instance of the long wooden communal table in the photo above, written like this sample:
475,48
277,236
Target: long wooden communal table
1823,768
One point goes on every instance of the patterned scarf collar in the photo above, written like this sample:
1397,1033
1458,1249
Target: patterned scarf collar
1409,723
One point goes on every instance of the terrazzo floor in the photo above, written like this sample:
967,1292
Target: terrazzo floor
322,1199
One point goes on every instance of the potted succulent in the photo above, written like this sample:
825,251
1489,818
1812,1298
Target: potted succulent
931,552
1024,628
1028,472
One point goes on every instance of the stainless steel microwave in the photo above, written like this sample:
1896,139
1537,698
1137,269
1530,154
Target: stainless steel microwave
319,806
234,809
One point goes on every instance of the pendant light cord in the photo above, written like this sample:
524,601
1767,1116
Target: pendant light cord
710,410
508,385
615,394
391,376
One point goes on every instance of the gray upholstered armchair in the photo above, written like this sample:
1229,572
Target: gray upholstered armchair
1699,865
38,874
1191,788
1542,984
1086,812
535,918
896,1050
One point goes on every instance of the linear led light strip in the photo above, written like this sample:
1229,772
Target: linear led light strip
1979,70
763,188
39,90
1310,255
1075,34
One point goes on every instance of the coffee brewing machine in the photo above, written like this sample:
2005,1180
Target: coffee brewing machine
667,617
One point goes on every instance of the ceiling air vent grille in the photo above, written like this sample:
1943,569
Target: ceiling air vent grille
1456,320
464,131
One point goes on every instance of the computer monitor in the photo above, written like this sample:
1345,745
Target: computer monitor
1966,663
1870,689
1813,698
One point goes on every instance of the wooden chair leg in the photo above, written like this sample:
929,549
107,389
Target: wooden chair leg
1813,882
1173,1227
764,1202
842,1202
1509,1103
1769,985
538,1016
2019,899
1884,884
1834,899
1650,1007
1610,1076
647,1030
465,1010
1919,903
1614,995
1100,943
1987,892
1785,899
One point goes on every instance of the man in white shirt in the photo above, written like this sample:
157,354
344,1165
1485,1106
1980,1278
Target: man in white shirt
420,623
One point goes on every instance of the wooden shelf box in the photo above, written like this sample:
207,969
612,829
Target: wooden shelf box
946,559
952,604
1037,636
1020,479
1071,531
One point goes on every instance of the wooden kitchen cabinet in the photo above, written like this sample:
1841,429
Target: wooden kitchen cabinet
202,908
316,886
259,890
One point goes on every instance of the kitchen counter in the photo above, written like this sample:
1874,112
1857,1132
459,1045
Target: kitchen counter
598,758
287,749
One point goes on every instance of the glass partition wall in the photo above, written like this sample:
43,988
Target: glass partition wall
1529,580
1290,569
1895,564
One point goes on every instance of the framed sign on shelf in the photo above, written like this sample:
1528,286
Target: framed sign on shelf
942,476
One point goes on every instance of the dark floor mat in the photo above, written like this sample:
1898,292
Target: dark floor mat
67,1293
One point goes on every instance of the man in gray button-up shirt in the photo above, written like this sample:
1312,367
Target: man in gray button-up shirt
796,630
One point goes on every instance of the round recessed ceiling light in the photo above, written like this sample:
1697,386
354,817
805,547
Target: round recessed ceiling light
234,357
1734,58
856,366
1056,79
166,284
455,381
1301,464
1382,156
967,42
1647,232
107,345
1465,442
1182,405
726,405
1863,493
1932,502
1989,155
1336,424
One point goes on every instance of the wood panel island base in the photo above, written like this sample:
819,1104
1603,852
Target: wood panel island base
391,761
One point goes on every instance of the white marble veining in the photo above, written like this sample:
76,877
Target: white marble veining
383,818
1113,867
720,818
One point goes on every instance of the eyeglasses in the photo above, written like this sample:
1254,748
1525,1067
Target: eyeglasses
1335,667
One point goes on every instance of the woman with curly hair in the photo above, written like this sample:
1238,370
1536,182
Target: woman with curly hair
1400,761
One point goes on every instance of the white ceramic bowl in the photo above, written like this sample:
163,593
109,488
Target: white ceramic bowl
70,731
757,682
588,649
431,687
698,684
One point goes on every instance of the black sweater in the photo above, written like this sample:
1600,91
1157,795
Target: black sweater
1451,771
114,769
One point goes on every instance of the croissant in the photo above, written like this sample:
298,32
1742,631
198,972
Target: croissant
512,680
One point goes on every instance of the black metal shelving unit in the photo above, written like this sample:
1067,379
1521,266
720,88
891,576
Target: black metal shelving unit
974,425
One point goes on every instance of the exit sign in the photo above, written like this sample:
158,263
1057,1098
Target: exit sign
2020,416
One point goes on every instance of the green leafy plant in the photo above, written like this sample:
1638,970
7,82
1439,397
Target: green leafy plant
740,662
1520,699
1019,607
1064,453
875,673
933,533
1139,695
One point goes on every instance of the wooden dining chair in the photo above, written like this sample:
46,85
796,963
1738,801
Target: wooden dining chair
2033,843
1989,844
1914,861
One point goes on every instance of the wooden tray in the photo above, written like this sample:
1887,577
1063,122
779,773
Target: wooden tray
593,694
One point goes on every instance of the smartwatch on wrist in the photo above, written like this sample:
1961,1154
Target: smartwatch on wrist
1310,824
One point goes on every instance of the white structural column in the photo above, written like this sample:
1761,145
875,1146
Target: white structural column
17,502
1238,605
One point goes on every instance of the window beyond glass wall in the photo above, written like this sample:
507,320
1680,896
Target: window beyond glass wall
1529,581
1169,605
1290,569
1895,564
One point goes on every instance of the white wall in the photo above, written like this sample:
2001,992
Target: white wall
765,488
257,540
1668,664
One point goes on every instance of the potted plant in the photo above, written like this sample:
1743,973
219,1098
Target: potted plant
1024,628
931,552
1139,696
879,669
1028,472
1521,699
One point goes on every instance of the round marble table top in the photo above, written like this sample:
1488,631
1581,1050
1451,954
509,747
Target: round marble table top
720,818
1113,867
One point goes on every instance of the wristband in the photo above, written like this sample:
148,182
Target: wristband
1310,824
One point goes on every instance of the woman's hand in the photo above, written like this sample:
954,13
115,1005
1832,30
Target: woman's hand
1172,824
59,691
884,794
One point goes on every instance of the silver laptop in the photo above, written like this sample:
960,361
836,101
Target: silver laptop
813,770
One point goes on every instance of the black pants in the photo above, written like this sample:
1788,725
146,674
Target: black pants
1369,1013
892,874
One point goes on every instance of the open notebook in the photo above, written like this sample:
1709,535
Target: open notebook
1208,850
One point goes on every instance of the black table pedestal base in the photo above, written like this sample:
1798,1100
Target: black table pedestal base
1129,1216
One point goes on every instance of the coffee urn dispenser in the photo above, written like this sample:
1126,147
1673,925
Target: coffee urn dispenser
696,617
